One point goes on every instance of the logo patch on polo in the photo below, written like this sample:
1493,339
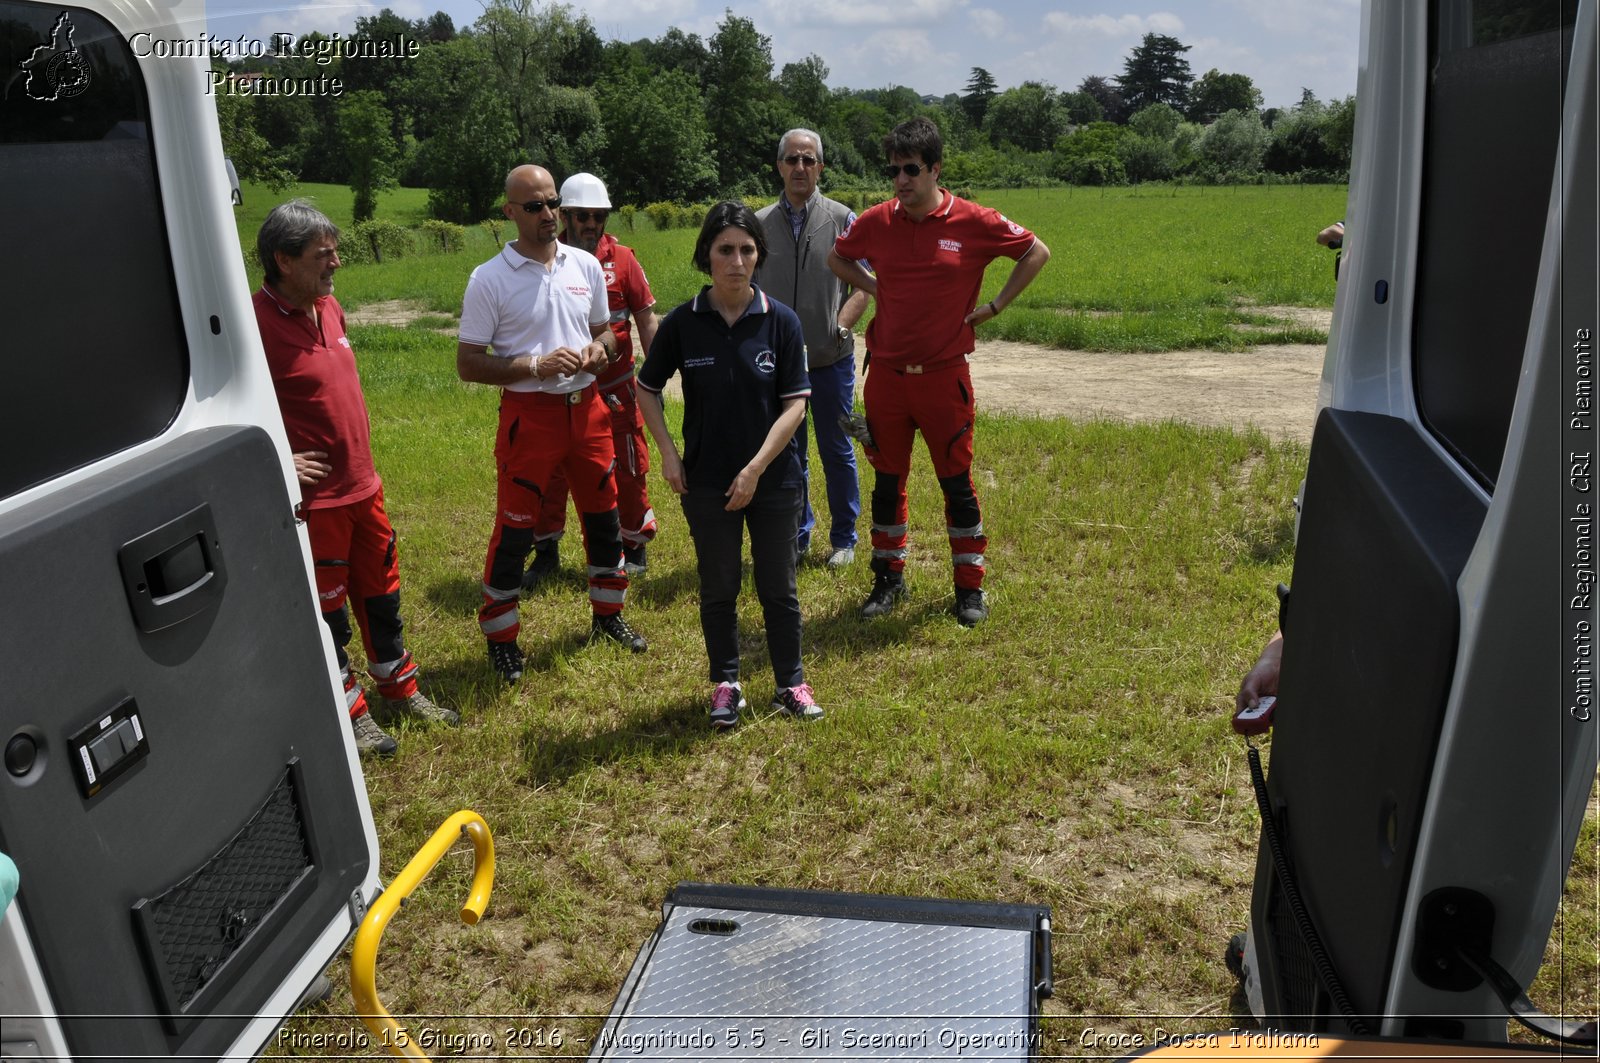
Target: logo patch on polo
580,290
950,245
1016,230
767,362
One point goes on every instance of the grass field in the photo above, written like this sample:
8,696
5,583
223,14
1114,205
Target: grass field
1130,270
1074,751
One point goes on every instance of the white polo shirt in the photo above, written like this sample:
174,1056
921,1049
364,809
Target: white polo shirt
516,306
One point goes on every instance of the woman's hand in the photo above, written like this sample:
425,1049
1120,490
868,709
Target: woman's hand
672,472
743,488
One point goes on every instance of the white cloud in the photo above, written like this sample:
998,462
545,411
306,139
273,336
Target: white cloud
823,13
989,22
1060,22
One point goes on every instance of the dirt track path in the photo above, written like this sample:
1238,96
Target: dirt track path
1272,387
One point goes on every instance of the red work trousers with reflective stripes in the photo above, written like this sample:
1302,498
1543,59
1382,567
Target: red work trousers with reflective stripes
938,403
357,561
633,461
538,433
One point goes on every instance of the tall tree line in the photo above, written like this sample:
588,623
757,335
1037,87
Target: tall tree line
680,118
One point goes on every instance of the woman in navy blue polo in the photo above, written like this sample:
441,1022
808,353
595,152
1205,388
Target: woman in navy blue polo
743,362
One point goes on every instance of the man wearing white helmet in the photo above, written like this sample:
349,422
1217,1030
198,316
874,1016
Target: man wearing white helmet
584,209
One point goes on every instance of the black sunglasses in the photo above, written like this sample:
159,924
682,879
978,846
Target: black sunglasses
912,169
800,160
533,206
586,216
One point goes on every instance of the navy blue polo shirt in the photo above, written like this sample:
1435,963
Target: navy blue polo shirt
735,378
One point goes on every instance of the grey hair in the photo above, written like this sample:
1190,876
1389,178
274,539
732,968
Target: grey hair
816,138
288,228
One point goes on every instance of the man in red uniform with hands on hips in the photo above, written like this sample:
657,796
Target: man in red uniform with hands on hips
325,417
585,206
929,250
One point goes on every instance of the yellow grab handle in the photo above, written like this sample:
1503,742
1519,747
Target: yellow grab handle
364,954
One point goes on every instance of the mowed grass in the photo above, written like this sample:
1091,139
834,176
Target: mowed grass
1074,751
1131,269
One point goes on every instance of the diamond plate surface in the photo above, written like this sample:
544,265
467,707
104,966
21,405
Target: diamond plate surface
809,988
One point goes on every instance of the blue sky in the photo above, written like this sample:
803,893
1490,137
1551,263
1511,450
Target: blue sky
932,45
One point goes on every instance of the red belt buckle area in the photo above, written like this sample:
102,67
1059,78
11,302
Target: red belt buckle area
575,397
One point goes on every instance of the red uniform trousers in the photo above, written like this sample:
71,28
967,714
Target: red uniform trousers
938,403
633,461
538,433
353,548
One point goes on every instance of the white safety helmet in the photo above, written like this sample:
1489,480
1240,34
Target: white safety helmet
585,190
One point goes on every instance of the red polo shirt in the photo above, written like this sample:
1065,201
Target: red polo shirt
929,275
319,394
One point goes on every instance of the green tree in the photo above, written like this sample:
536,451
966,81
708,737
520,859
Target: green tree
741,111
465,163
1156,72
531,48
1113,107
254,159
981,89
571,133
1091,155
1082,108
659,147
1215,93
1027,116
1232,147
1299,141
369,149
805,87
677,50
1158,121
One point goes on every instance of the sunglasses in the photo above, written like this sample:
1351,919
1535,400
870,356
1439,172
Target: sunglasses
800,160
584,217
533,206
912,169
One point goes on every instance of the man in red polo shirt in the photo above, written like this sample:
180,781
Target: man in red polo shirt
325,417
585,206
929,250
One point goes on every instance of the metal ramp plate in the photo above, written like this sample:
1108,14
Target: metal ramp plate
836,976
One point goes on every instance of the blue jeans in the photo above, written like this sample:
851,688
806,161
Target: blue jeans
833,394
718,545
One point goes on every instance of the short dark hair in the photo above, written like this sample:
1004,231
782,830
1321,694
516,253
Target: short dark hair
720,217
288,228
916,137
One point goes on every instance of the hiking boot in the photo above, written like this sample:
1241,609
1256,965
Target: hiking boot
633,560
726,701
546,563
855,426
798,702
887,589
613,627
419,707
971,607
370,738
843,557
506,659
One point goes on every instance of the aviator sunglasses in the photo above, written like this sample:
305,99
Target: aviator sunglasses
912,169
584,217
800,160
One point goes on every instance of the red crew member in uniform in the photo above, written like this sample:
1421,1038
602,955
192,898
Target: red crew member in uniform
325,418
541,306
929,250
584,209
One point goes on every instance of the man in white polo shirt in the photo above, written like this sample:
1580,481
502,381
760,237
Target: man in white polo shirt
534,322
